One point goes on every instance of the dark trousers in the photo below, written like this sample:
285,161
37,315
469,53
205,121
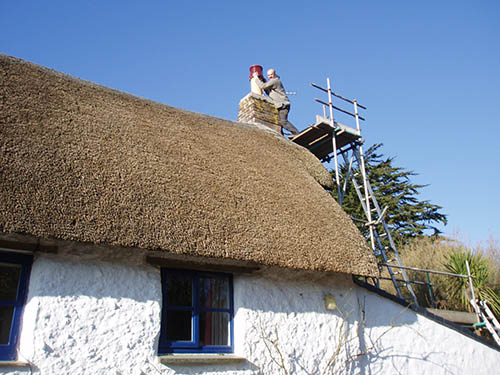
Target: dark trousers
283,117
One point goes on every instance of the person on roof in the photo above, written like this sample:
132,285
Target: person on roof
276,92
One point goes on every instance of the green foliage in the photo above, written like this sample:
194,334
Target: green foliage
458,288
407,216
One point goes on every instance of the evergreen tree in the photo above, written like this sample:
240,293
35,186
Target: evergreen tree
407,216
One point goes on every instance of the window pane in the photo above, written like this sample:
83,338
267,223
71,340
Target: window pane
9,280
179,326
6,314
179,290
214,328
214,292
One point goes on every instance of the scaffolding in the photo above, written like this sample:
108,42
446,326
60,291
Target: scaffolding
329,139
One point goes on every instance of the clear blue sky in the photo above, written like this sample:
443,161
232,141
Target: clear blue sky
428,71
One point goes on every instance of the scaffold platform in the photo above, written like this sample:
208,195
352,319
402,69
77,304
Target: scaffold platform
317,138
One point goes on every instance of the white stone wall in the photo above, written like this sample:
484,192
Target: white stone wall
89,316
409,343
366,334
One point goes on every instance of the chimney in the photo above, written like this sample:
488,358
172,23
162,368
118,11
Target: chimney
256,108
253,80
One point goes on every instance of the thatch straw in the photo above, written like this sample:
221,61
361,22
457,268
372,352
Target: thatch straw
82,162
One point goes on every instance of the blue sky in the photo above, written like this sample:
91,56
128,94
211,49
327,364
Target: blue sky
428,71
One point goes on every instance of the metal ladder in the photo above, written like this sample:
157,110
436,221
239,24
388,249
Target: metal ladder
354,159
487,319
485,316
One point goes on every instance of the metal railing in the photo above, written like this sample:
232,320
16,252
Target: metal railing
427,272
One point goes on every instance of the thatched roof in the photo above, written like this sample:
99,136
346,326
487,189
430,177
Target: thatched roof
83,162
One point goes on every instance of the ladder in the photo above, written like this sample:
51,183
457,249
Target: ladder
486,318
350,148
484,315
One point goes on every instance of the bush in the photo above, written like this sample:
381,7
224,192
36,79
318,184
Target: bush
458,289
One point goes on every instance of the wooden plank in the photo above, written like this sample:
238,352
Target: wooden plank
318,137
306,137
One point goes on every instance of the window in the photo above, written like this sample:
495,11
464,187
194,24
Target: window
14,273
197,313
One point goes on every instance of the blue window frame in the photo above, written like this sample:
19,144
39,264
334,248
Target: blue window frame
14,274
197,312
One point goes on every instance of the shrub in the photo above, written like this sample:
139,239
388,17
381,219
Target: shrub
458,289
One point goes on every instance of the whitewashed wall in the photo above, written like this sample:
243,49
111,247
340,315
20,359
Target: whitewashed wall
88,316
367,334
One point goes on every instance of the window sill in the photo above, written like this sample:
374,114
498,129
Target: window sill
199,358
4,363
